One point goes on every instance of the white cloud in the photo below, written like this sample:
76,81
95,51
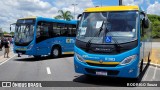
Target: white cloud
11,10
154,8
79,8
132,2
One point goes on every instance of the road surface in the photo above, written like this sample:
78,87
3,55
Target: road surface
62,69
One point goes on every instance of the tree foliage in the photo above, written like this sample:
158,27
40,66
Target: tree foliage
155,25
5,32
65,15
12,33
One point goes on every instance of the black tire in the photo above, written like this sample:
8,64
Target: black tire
55,52
137,79
89,76
37,56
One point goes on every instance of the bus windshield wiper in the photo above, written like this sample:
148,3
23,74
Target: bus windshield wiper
117,46
88,44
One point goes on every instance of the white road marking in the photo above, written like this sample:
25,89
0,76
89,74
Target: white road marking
48,70
155,70
7,60
154,67
146,73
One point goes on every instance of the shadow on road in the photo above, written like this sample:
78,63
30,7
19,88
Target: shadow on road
32,59
109,81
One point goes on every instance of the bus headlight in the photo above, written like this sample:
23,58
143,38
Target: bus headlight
30,47
79,57
129,59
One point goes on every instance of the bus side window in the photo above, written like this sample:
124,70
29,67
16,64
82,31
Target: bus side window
141,26
42,31
74,30
63,30
71,30
56,30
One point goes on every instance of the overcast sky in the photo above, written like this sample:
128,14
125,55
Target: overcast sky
11,10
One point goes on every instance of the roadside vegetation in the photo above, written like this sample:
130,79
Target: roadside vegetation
155,19
65,15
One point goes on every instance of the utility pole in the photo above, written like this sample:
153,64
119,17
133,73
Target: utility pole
120,3
74,5
101,3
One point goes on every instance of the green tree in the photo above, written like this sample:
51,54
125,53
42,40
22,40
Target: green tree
155,19
65,15
12,33
5,32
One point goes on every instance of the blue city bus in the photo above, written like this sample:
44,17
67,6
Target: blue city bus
113,41
39,36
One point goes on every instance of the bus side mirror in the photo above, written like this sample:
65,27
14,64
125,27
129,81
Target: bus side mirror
79,15
145,23
10,28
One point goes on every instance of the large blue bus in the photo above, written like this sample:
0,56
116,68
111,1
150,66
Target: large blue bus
39,36
113,41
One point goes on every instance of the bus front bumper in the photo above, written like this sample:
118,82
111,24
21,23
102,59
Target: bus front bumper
126,71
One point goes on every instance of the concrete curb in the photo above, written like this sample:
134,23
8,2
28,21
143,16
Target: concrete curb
153,64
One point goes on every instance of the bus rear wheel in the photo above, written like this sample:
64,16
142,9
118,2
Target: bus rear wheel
55,52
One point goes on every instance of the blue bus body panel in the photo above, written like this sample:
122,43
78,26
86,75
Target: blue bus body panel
122,69
45,47
142,51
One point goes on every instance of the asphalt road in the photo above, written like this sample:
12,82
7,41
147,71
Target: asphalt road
62,69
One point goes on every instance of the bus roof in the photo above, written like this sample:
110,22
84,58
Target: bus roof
51,20
112,8
30,17
56,20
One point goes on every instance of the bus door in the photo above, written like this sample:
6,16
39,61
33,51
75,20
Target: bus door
142,42
70,39
42,38
67,36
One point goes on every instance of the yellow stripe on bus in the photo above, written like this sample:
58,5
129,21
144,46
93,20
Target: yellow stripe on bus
112,8
68,52
98,62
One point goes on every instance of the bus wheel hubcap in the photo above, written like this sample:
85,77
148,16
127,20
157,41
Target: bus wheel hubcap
55,52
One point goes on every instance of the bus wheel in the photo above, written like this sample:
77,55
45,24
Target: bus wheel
37,56
55,52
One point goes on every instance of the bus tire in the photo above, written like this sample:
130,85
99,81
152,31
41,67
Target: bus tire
89,76
37,56
56,52
137,79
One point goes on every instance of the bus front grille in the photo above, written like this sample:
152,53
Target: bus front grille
102,65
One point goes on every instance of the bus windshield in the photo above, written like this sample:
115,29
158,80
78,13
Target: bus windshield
24,32
120,25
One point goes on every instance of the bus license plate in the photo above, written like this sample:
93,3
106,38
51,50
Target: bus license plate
101,73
